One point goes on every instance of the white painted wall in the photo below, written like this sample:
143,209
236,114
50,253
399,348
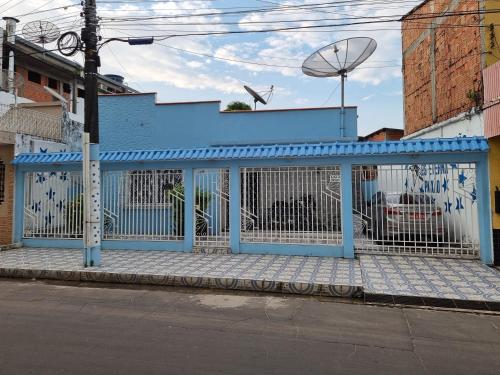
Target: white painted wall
7,98
464,124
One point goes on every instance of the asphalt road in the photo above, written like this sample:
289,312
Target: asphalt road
61,329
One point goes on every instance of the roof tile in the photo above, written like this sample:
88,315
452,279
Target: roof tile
461,144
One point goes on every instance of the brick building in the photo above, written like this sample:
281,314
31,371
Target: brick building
40,69
38,121
384,134
447,47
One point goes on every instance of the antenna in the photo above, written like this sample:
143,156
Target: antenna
338,59
257,97
40,32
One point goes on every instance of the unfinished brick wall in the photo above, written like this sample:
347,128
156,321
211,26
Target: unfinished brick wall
35,91
385,135
7,206
441,63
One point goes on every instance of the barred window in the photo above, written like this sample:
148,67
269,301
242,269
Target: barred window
151,187
2,181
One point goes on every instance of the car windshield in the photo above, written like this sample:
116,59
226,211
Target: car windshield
408,198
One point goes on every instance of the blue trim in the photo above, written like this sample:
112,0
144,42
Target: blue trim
18,205
346,204
94,151
59,244
188,209
289,249
234,208
92,257
457,157
143,245
278,151
484,212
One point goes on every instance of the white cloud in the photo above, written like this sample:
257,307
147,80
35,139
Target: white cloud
280,53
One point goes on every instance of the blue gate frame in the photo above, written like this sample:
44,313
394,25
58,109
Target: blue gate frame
346,155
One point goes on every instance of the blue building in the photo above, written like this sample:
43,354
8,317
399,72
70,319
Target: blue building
137,122
188,177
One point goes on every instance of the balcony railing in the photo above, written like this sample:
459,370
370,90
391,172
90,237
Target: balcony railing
15,119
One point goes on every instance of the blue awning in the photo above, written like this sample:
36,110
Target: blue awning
277,151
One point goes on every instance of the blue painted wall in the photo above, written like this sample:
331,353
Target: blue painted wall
136,122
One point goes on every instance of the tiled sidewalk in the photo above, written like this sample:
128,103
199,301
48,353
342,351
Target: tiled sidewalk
393,279
447,279
273,273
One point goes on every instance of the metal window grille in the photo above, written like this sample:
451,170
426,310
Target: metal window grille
143,205
2,181
211,211
420,209
53,205
297,205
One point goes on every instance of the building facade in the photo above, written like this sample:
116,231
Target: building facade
190,177
445,59
41,108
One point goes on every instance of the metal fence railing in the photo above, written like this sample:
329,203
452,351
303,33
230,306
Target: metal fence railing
211,207
53,205
297,205
419,209
143,205
16,119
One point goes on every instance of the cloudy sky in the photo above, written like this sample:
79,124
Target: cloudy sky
208,67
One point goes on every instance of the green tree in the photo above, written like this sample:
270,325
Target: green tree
238,106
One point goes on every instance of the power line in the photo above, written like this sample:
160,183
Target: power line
46,10
304,27
201,54
280,9
238,12
13,6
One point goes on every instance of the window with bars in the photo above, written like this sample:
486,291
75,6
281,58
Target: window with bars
2,181
150,187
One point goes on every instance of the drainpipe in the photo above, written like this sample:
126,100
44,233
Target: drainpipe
10,25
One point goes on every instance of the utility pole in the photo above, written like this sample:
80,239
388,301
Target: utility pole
91,167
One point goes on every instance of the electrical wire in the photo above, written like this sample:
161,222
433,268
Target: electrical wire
331,95
13,6
36,11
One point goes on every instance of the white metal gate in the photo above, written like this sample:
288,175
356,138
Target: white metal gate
211,207
296,205
419,209
143,205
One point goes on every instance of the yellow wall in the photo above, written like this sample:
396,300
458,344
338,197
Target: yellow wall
491,18
494,161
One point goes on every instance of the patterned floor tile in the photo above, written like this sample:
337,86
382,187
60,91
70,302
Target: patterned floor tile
430,277
291,274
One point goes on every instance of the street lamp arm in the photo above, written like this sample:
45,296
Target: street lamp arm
131,41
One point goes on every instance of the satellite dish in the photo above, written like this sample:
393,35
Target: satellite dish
338,59
40,32
257,97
